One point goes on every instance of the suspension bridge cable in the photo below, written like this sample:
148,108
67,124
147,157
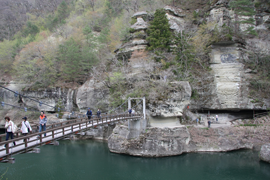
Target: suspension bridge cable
117,107
27,97
25,108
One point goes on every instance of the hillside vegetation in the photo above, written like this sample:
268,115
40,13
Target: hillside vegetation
61,48
65,47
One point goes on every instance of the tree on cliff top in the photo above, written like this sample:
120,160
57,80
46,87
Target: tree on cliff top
159,34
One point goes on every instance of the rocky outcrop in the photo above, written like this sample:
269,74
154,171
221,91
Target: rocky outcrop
178,99
176,18
265,153
30,99
230,83
92,95
155,142
158,142
137,37
136,41
99,132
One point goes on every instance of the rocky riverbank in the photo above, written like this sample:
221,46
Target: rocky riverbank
158,142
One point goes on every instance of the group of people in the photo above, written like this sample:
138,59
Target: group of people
11,128
131,111
89,113
209,120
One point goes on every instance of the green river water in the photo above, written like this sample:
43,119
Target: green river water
90,159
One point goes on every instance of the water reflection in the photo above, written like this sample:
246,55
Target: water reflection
92,160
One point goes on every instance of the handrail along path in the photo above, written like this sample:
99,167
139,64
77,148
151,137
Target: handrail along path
54,132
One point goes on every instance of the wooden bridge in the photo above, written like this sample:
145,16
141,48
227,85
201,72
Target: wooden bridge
55,132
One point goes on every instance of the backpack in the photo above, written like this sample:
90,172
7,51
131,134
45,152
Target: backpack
14,127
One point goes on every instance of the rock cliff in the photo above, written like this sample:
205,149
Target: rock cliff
158,142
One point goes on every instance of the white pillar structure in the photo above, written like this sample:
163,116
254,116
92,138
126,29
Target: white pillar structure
129,103
144,107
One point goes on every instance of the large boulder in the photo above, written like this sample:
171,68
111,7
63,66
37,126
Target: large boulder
265,153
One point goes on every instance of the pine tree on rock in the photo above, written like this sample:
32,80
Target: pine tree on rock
159,34
244,8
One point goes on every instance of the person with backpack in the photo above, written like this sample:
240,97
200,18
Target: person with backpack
130,111
89,114
42,122
98,113
10,128
25,128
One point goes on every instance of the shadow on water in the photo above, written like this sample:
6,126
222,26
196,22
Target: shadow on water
92,160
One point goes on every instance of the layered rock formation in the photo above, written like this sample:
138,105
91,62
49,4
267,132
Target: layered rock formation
137,42
228,86
158,142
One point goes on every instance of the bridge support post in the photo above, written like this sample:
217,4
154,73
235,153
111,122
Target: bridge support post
129,102
144,108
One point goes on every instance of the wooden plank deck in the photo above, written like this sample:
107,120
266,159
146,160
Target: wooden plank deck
55,133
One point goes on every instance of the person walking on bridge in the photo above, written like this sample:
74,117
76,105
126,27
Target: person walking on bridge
10,126
42,122
130,111
98,113
133,112
89,114
25,128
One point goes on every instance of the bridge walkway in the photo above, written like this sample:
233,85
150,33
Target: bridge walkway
57,131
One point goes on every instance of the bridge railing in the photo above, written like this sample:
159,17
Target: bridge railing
73,126
49,126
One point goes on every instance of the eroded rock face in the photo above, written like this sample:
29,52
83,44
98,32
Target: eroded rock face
265,153
228,82
177,101
155,142
140,24
176,18
158,142
229,78
99,132
50,96
91,95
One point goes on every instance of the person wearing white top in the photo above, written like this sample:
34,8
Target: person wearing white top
25,128
9,126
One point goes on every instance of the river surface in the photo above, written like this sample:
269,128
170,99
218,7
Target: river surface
92,160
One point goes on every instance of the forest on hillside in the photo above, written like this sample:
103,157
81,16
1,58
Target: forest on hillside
75,41
63,46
